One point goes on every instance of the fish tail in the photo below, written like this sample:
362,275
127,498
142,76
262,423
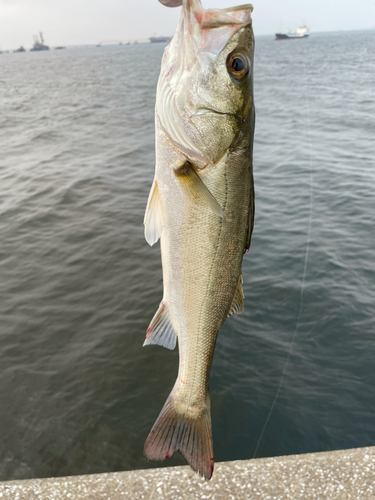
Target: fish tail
190,435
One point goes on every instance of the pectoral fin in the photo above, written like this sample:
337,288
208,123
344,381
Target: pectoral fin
153,220
194,187
237,306
161,331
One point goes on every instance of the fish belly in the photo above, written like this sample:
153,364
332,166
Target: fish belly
201,258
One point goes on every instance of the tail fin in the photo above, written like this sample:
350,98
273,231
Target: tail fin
173,432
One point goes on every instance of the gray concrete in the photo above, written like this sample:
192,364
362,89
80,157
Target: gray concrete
346,474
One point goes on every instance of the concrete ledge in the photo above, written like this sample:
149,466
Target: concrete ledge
344,474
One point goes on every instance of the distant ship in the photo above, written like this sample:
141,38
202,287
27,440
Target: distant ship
39,45
158,39
20,49
302,32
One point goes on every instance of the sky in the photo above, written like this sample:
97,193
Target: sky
76,22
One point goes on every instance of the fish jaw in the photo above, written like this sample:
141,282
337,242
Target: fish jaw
194,77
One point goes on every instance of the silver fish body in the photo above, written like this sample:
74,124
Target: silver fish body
201,205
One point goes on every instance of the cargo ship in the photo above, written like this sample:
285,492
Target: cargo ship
160,39
302,32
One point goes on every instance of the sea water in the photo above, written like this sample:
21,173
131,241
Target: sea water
79,285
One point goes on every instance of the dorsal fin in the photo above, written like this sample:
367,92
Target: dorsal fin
161,331
237,306
251,202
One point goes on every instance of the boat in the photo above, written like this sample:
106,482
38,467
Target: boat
20,49
302,32
160,39
39,45
60,48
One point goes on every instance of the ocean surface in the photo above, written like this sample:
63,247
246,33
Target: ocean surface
79,285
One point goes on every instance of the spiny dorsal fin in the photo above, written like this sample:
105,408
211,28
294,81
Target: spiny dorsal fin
161,331
237,306
194,187
251,200
153,220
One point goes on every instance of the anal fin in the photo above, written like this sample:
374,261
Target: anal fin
153,220
161,331
194,187
237,306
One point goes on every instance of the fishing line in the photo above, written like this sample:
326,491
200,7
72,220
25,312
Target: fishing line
290,350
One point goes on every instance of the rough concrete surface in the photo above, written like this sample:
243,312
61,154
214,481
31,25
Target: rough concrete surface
344,474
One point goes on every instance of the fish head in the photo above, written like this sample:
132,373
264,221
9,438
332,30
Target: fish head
205,90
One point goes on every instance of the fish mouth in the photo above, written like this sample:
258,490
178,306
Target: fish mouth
218,18
245,6
206,111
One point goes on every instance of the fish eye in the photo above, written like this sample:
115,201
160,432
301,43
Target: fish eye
238,65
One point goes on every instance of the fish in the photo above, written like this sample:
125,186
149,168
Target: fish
201,206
